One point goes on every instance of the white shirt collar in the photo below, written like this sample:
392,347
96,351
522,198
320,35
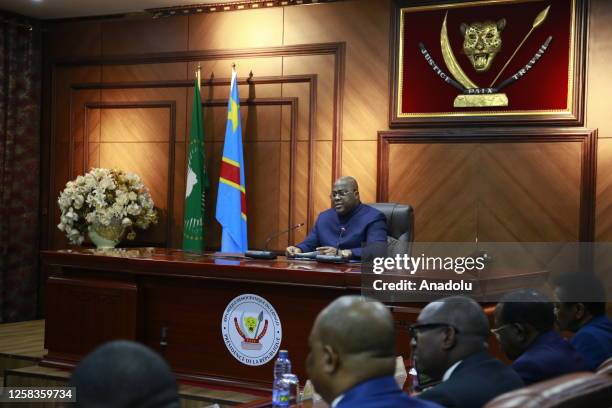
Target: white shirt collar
337,400
450,370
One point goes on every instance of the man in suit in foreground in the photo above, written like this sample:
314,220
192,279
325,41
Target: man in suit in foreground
524,321
581,309
342,229
352,356
124,374
449,343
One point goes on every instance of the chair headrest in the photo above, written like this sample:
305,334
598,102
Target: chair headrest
568,391
400,218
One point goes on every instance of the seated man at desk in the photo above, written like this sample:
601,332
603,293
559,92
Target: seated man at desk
342,229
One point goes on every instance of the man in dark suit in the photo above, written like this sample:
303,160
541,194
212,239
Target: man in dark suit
581,309
524,322
352,356
449,343
342,229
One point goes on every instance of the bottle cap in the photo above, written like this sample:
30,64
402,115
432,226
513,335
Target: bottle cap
283,353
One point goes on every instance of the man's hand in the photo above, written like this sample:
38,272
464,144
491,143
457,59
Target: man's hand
327,250
292,250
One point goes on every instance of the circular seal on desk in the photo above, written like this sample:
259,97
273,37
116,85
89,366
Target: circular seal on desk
251,329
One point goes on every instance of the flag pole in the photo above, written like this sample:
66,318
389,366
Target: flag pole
198,75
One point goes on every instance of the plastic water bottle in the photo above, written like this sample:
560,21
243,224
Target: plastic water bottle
291,384
281,389
282,365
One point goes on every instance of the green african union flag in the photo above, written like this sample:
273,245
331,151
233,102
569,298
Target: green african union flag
197,178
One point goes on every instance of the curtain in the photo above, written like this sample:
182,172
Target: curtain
20,68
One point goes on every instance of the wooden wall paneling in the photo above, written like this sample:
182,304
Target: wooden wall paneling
79,128
221,68
541,196
364,25
336,49
599,81
170,71
285,199
175,219
302,153
61,143
323,67
359,161
151,90
145,149
137,124
322,164
303,92
603,223
574,145
263,162
73,39
438,181
142,36
177,95
63,91
212,232
302,193
238,29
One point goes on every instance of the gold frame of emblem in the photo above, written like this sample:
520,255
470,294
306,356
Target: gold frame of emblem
463,100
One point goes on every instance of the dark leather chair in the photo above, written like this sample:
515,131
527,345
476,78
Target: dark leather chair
576,390
400,226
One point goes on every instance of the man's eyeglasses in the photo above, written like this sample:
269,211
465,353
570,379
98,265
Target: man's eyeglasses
340,193
497,331
415,329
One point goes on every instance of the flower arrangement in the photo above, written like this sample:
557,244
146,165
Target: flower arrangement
102,197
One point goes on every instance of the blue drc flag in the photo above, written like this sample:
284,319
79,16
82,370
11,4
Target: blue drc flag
231,198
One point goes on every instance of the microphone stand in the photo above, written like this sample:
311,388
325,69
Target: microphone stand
265,254
337,258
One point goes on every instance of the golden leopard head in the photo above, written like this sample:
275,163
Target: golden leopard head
481,42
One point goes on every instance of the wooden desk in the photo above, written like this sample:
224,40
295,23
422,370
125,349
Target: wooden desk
95,296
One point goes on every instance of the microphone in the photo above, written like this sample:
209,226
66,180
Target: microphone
265,254
342,231
334,258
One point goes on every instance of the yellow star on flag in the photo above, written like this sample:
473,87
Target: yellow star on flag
233,114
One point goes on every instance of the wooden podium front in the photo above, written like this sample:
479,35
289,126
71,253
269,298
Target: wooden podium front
173,302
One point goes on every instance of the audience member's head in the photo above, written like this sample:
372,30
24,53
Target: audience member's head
448,330
520,317
351,341
580,297
124,374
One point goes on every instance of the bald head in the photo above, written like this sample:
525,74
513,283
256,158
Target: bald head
352,340
452,329
356,325
460,312
348,181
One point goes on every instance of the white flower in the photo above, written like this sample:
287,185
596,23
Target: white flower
133,209
104,196
78,201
